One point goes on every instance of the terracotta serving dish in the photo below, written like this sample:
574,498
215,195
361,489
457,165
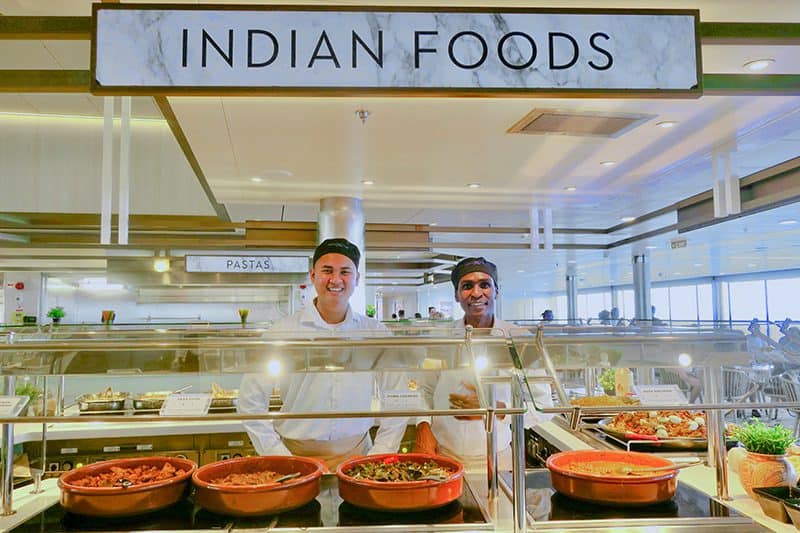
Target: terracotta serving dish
254,500
120,501
403,495
622,490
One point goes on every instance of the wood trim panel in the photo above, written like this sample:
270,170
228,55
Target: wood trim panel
50,28
44,81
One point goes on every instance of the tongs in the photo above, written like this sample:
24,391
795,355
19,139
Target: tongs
433,477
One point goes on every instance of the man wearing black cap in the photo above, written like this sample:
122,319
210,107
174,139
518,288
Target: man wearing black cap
475,282
334,274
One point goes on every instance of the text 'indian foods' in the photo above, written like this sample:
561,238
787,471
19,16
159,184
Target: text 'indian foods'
467,50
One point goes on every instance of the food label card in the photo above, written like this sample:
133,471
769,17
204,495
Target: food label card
186,404
12,405
661,395
399,400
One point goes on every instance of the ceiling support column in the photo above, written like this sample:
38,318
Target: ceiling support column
641,288
343,217
572,299
718,301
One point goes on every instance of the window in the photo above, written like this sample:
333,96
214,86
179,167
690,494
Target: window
683,303
784,299
705,303
659,298
748,300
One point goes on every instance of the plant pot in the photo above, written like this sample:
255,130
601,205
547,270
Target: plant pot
56,320
761,470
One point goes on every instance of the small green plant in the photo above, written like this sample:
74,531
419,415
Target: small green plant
607,380
30,390
56,312
757,437
371,311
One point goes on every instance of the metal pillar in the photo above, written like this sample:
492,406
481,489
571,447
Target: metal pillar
718,301
641,288
343,217
8,456
716,430
572,299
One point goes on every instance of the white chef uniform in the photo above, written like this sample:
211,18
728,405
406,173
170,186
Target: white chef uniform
331,439
465,440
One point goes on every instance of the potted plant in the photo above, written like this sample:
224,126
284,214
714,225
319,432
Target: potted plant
56,313
765,464
243,314
607,380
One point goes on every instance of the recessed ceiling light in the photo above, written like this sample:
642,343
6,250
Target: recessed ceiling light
571,262
368,182
473,185
571,188
788,221
676,273
628,219
433,224
277,173
698,264
666,124
758,64
608,163
520,271
650,247
752,265
256,179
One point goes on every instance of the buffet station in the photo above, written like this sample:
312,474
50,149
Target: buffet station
598,464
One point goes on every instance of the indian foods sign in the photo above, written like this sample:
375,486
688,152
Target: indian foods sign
204,49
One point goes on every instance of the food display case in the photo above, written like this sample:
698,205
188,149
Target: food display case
397,369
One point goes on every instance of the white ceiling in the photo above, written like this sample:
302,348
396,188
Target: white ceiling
422,152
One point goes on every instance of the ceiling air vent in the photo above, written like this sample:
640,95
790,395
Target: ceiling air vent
579,123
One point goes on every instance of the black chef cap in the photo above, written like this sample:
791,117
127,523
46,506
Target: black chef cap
337,246
473,264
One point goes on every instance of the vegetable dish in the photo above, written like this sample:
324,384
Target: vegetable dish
395,471
662,424
604,401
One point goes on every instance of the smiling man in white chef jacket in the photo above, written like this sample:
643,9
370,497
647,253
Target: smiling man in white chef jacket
334,274
464,438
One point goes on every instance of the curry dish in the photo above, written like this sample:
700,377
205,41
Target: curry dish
126,477
260,477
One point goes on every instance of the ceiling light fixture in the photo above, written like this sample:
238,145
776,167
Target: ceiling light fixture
666,124
520,271
698,264
571,262
758,65
473,185
367,182
788,222
433,224
608,163
256,179
628,219
571,188
650,247
93,118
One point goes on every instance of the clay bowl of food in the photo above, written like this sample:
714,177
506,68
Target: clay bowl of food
405,482
612,477
126,487
253,486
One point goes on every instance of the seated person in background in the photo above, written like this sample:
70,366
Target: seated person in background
417,316
655,321
334,274
464,438
605,317
547,315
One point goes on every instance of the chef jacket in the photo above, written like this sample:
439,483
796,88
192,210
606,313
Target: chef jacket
320,391
466,439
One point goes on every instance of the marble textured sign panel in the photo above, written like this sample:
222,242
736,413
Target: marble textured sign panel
435,50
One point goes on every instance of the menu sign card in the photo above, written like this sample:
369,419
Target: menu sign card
192,404
399,400
661,395
12,405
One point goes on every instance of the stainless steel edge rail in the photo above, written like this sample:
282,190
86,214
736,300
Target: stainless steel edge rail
77,419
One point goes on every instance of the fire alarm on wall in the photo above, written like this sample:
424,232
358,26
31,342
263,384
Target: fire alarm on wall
19,285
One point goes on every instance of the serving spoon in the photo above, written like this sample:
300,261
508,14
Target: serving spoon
632,471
